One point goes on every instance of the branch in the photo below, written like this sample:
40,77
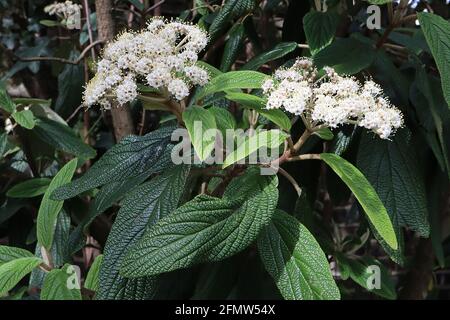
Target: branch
62,60
291,180
309,156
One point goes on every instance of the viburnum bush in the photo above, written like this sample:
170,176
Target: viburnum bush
237,149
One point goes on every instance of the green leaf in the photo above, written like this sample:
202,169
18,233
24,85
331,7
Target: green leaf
11,253
25,118
49,209
206,228
49,23
295,260
198,121
232,47
107,196
70,87
5,101
3,144
29,189
138,4
231,9
233,80
224,119
13,271
62,137
141,209
256,103
431,114
324,133
131,157
59,252
279,51
362,271
92,278
61,284
212,71
268,138
346,56
437,33
320,28
392,169
379,2
366,195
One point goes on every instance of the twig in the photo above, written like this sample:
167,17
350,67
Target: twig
62,60
291,180
156,5
309,156
88,24
74,113
396,20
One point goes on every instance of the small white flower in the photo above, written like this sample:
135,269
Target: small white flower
267,86
67,12
332,100
159,77
178,88
196,75
163,55
126,91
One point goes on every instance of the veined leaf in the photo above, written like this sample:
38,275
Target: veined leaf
366,195
437,33
224,119
232,47
320,28
256,103
268,138
29,189
131,157
279,51
141,209
8,253
391,168
59,252
346,56
61,284
25,119
231,9
49,209
324,133
201,126
362,271
92,278
205,228
62,137
6,102
13,271
233,80
295,260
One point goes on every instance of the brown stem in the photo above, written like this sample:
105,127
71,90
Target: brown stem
122,120
309,156
421,272
306,134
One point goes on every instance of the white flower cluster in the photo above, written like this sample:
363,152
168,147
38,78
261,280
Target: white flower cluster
332,100
68,12
163,57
